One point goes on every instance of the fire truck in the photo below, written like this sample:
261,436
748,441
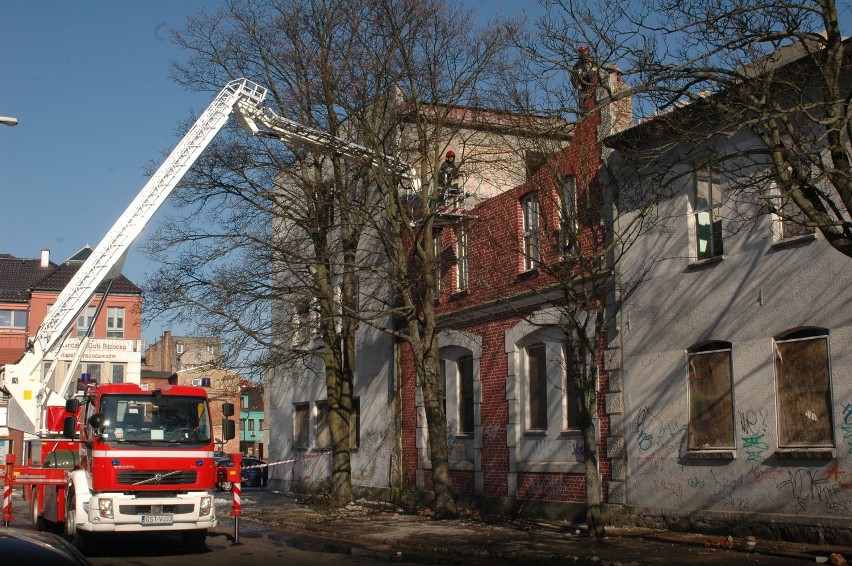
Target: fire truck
107,458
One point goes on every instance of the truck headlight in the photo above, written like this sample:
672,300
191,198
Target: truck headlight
105,508
206,506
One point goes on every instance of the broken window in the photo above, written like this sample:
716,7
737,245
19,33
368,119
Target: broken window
537,387
529,206
572,420
790,220
802,378
569,228
461,258
711,406
465,372
707,208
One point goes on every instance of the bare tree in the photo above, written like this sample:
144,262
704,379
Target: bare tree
272,225
439,62
773,76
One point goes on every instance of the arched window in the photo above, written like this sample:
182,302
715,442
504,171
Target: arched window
457,369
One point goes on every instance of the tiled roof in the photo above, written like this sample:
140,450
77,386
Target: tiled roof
59,277
18,275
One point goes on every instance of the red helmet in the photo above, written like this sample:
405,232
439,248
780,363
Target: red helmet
451,153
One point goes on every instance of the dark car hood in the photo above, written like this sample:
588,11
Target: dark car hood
23,547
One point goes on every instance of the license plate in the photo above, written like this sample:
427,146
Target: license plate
157,519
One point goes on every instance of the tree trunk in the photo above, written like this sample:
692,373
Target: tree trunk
582,371
427,364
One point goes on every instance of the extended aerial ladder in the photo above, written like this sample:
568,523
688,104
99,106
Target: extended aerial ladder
28,386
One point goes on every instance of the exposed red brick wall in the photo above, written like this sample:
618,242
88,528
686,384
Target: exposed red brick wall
495,263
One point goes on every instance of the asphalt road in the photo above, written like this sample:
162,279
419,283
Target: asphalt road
257,544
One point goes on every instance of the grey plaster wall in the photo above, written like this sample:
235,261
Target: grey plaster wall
756,292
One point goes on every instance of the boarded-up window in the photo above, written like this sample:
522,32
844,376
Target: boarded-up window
711,407
537,391
301,423
323,434
802,378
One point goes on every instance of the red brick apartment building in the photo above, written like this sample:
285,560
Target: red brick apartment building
497,320
27,289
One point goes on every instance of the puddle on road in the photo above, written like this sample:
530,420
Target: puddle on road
315,545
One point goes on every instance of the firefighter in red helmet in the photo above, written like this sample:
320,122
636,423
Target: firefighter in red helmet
448,176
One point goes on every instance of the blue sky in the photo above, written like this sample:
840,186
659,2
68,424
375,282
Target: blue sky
88,82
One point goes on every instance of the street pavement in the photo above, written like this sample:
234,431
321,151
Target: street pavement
418,538
280,528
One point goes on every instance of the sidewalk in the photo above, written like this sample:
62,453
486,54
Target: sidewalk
384,530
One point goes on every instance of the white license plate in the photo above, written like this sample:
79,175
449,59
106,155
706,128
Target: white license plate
157,519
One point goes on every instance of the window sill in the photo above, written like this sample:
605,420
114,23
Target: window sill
571,432
461,294
535,433
724,454
806,453
527,275
699,263
787,242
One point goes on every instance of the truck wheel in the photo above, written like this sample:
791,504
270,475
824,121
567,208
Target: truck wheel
71,533
226,485
38,520
196,538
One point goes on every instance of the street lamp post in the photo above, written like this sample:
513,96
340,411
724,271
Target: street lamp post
8,121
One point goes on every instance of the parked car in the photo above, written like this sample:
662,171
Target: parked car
20,546
253,473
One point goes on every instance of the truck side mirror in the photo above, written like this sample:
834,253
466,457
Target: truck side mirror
72,405
69,427
227,409
229,429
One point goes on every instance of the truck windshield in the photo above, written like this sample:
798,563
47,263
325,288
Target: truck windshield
146,418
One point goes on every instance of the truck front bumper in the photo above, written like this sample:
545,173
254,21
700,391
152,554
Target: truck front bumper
119,512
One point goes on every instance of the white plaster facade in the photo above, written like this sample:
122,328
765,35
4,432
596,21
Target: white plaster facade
759,290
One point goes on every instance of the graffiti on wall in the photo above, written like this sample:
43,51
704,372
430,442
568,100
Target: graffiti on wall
652,431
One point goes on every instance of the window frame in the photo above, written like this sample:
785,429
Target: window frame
116,317
436,262
301,425
322,439
715,186
14,315
114,370
85,321
570,418
729,442
786,225
799,337
536,388
568,220
462,251
530,215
